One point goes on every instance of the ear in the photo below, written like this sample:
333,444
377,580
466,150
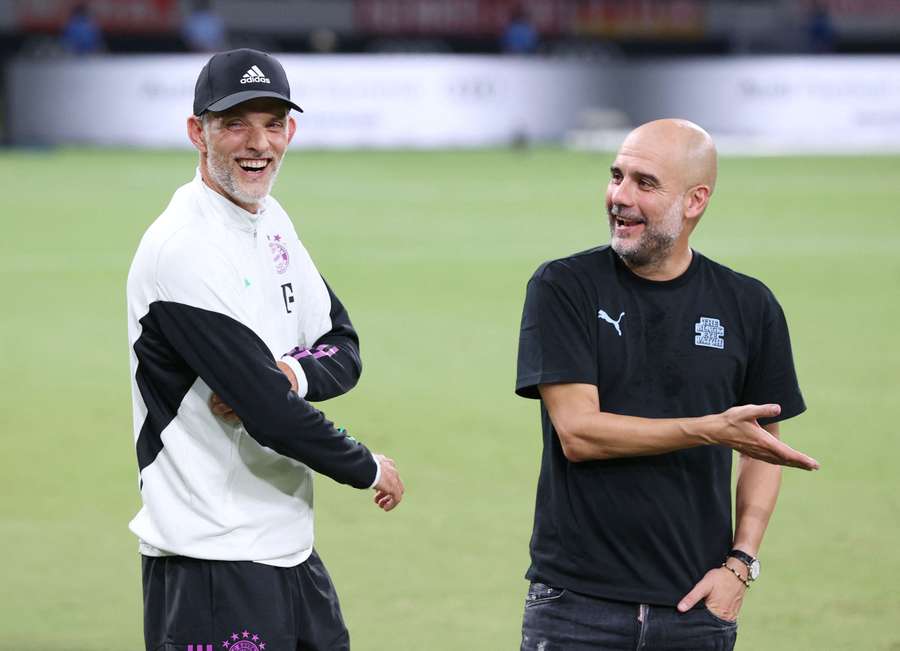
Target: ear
695,201
195,133
292,128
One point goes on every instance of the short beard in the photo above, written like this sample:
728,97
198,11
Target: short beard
655,243
220,170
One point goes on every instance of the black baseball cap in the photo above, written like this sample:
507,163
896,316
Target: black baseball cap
236,76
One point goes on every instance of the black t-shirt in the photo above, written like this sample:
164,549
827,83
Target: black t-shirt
645,529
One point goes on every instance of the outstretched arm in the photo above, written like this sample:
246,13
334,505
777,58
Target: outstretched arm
586,433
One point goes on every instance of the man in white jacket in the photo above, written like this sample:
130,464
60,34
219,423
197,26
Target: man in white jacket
233,333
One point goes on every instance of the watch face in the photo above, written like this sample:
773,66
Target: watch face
754,570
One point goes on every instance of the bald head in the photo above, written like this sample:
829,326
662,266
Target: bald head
660,185
687,150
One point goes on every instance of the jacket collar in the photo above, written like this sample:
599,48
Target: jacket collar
229,212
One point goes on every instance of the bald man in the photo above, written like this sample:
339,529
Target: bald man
652,363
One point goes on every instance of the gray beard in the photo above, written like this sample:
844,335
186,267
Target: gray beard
654,248
655,244
223,175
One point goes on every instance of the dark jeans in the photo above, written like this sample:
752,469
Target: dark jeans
562,620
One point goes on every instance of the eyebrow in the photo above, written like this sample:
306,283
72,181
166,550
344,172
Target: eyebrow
241,116
227,115
643,176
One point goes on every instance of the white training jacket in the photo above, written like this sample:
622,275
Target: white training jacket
215,296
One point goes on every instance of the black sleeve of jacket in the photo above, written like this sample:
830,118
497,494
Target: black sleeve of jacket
332,365
237,365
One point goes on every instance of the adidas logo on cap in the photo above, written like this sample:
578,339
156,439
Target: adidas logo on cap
255,76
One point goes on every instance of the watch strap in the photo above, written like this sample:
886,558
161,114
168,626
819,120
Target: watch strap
743,557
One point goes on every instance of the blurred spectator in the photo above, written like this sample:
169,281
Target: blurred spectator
203,29
519,36
821,29
81,34
323,40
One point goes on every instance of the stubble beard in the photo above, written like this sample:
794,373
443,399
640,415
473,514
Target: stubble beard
655,243
224,175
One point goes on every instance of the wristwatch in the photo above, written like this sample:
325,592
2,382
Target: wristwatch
751,563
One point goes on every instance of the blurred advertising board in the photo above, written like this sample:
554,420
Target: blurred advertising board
766,104
348,101
608,18
112,15
778,104
861,18
624,20
454,17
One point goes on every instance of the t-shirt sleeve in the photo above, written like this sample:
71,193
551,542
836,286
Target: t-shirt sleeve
771,377
555,342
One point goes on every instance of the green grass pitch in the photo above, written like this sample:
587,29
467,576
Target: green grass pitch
431,252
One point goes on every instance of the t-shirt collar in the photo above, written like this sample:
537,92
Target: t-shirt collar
678,281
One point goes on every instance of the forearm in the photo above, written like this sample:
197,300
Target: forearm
591,435
757,491
586,433
329,369
294,428
331,366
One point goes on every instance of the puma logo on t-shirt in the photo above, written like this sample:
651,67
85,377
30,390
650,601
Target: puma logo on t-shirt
615,324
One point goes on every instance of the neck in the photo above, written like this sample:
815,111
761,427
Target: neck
669,268
211,183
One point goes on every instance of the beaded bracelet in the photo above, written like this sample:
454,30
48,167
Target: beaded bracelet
746,582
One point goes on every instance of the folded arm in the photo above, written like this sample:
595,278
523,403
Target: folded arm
236,364
332,365
198,327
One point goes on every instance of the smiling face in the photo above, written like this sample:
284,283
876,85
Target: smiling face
659,186
645,220
241,148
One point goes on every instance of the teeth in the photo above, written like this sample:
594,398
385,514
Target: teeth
253,163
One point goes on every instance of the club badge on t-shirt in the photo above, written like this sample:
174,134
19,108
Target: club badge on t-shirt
280,256
710,333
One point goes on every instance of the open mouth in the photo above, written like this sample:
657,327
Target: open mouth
254,166
626,223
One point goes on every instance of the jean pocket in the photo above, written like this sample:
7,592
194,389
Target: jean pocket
718,620
541,593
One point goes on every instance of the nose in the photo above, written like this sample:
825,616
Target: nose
257,139
621,193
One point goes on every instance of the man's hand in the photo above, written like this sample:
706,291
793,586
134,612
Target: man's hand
389,489
722,591
289,372
222,410
226,413
738,429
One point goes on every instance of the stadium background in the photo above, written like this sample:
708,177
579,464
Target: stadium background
430,244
